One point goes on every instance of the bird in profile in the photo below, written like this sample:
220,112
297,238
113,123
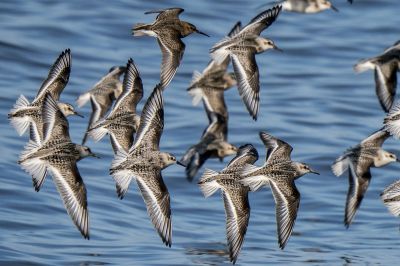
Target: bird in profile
58,155
307,6
242,48
391,198
358,160
26,115
103,94
144,162
234,194
168,29
122,122
385,67
279,173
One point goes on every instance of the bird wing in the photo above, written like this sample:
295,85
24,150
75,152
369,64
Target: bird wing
385,83
237,212
167,14
95,116
246,154
70,185
132,90
262,21
172,49
156,197
277,150
246,71
57,78
376,139
55,124
151,122
287,201
359,179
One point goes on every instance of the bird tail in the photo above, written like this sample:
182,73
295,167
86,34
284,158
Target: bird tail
340,165
140,29
363,65
21,124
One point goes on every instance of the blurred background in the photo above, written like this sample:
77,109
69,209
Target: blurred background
310,97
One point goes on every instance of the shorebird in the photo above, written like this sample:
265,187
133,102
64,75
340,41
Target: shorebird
122,122
168,29
58,155
358,160
234,194
104,93
210,84
242,48
307,6
392,121
385,67
213,144
279,172
24,114
391,198
144,162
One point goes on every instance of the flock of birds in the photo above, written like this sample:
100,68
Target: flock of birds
135,138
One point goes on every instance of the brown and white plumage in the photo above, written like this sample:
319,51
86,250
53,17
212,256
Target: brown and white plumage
102,96
279,173
144,162
25,114
391,198
234,195
122,122
358,160
242,48
168,29
58,156
385,68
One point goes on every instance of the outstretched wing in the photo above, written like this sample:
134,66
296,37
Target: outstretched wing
166,14
151,121
156,197
276,149
57,78
262,21
246,72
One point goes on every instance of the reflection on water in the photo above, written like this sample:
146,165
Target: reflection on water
310,97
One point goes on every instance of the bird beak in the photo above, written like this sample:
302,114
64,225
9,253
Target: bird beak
334,8
95,155
314,172
277,48
78,114
202,33
180,163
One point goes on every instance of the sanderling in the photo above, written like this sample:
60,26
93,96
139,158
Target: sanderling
242,48
104,92
122,122
358,160
168,29
234,194
385,66
279,172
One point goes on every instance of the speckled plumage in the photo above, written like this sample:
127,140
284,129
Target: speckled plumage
122,122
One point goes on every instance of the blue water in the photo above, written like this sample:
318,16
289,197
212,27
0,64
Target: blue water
310,97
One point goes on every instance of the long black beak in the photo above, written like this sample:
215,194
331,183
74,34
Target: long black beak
180,163
314,172
95,155
277,48
334,8
202,33
78,114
